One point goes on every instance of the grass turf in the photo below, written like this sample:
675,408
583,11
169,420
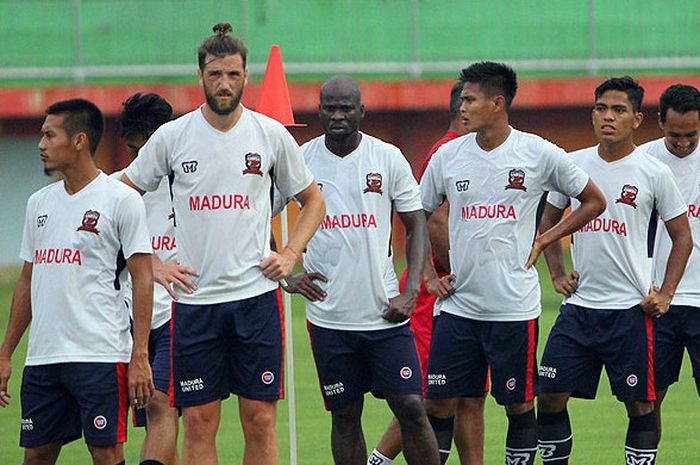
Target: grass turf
599,426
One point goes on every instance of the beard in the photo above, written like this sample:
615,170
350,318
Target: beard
50,172
223,109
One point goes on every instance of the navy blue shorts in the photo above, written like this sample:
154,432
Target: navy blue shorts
159,358
233,347
62,401
351,363
463,350
676,330
582,340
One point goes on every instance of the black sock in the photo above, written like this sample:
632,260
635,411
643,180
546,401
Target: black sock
521,442
555,438
642,439
443,428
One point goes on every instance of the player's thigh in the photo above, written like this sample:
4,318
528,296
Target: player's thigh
692,341
669,346
256,348
49,413
570,362
342,370
102,393
199,354
629,358
511,351
393,361
457,365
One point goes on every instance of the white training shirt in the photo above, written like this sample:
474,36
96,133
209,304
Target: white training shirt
352,247
493,204
221,196
73,242
611,252
160,219
686,172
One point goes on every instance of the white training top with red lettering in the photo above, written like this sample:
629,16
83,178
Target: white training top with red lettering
686,171
611,253
161,220
352,247
493,205
221,196
73,242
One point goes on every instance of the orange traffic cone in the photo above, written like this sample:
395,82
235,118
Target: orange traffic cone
274,95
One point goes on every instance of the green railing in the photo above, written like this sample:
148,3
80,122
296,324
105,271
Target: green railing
78,39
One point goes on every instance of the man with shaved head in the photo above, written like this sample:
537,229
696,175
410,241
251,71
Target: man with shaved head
358,319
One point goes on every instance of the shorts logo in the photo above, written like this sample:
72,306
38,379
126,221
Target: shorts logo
547,372
510,384
333,389
639,458
628,195
632,380
190,385
437,379
27,424
253,162
90,219
374,183
41,221
516,180
267,377
189,166
406,372
100,422
462,186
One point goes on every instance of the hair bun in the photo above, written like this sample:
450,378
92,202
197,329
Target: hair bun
222,29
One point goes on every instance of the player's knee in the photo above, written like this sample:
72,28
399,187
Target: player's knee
409,409
471,405
106,455
199,424
519,408
441,408
258,422
552,403
347,418
40,455
159,410
639,408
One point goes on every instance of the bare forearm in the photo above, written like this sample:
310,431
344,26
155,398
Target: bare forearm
438,232
553,254
312,212
20,317
141,271
417,247
675,267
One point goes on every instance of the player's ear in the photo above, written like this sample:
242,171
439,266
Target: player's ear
80,141
499,103
638,118
661,123
245,76
200,76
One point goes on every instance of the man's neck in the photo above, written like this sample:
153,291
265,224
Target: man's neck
493,136
614,151
78,176
222,123
345,146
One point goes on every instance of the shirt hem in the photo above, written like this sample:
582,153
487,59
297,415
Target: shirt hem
75,358
355,327
228,297
498,318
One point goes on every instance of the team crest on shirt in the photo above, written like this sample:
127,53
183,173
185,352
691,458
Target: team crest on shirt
90,219
628,195
516,179
189,166
41,221
374,183
253,162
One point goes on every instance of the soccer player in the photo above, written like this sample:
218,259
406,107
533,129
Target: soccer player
141,115
469,416
679,119
227,334
357,318
76,232
493,179
606,317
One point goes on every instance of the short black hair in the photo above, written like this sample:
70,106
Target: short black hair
142,114
494,79
221,44
456,99
626,84
679,97
80,116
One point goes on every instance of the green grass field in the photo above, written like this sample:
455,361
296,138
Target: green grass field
599,426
